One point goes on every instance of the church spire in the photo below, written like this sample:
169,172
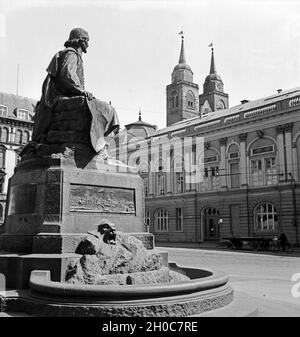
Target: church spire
182,71
182,54
212,61
213,98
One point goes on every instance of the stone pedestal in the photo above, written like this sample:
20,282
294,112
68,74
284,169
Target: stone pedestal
53,201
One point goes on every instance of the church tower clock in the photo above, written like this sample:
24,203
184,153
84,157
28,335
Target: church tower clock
182,93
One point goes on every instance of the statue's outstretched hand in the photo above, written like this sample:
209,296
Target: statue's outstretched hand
89,95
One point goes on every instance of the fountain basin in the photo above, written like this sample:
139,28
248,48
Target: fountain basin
206,291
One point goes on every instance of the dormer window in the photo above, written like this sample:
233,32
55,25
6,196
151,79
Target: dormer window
3,111
23,114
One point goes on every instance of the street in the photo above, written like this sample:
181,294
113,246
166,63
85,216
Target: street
266,278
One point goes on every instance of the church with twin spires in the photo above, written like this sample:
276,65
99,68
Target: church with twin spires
183,99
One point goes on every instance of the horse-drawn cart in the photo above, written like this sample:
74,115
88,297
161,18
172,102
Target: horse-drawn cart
255,243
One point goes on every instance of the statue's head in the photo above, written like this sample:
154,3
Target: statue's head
78,38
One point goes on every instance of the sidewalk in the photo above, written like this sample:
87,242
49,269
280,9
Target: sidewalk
222,247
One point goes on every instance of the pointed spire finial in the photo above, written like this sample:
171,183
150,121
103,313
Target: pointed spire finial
182,54
140,115
212,62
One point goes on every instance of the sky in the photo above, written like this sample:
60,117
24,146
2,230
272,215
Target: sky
134,46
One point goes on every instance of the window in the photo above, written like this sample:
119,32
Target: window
220,105
161,184
256,172
174,100
22,114
146,186
1,213
234,166
179,182
211,179
26,137
264,171
265,217
4,135
18,137
3,110
162,220
147,219
179,220
2,157
2,175
263,163
271,171
235,175
190,99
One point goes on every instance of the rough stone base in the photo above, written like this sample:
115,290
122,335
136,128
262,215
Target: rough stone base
17,268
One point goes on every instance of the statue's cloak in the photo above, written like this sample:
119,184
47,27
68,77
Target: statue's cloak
65,78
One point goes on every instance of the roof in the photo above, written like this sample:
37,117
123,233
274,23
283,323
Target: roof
14,102
141,129
269,100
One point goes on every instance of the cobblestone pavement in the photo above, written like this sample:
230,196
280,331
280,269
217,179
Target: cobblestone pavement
266,278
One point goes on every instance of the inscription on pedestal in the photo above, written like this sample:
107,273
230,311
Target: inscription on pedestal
22,199
101,199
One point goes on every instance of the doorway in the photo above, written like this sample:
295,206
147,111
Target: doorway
211,218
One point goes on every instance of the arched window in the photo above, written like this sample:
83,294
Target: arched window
4,135
25,137
161,220
265,217
221,105
211,179
174,100
18,137
190,100
263,163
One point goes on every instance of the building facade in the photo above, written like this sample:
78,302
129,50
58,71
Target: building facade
245,178
16,126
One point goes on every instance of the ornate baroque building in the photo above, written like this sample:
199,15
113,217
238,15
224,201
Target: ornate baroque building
249,164
16,124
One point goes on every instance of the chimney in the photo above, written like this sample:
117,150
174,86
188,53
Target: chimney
244,101
279,91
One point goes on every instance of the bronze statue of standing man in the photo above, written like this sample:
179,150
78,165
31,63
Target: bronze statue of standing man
66,79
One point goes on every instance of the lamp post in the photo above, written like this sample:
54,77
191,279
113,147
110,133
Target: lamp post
293,187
